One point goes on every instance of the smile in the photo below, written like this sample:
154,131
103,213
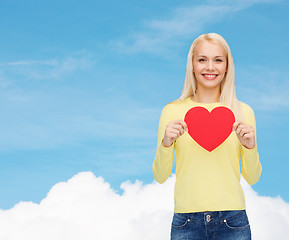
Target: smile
210,76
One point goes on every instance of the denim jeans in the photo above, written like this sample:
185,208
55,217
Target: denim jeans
218,225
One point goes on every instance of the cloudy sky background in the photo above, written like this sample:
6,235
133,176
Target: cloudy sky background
82,85
86,207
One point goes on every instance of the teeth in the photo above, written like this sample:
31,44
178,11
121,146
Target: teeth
210,76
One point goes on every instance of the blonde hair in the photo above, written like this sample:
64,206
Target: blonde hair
228,90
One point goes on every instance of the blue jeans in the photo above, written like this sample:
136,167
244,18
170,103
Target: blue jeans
218,225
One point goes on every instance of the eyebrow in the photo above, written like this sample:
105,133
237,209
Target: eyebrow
215,56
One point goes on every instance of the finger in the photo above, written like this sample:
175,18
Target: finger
239,123
176,131
182,128
240,127
172,135
178,127
248,135
242,131
184,125
173,127
235,125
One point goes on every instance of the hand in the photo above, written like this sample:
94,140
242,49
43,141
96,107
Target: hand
174,129
245,133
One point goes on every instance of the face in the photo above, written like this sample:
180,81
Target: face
209,64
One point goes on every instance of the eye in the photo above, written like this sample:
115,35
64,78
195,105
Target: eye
202,60
219,60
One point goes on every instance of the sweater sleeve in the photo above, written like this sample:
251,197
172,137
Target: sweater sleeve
163,163
251,166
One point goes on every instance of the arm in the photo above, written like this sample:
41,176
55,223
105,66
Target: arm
163,163
251,166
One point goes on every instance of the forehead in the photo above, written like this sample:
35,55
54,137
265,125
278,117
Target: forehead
210,49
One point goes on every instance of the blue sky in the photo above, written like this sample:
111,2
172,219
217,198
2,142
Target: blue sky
82,85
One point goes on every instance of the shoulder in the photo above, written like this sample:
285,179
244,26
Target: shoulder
174,106
246,108
248,112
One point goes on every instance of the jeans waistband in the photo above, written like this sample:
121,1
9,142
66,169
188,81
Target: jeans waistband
214,215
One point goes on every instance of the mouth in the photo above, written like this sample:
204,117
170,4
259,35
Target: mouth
210,76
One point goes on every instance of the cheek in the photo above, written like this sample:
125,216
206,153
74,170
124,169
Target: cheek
197,68
222,69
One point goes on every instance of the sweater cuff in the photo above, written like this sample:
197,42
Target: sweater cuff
166,152
249,151
166,149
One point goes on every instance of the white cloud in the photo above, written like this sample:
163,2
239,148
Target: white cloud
86,207
158,36
269,217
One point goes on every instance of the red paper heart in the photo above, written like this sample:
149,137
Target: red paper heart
209,129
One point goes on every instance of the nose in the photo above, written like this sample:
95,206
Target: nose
210,66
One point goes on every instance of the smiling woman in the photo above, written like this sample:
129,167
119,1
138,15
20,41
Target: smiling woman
210,65
210,131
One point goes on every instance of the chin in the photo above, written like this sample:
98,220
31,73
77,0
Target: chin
211,85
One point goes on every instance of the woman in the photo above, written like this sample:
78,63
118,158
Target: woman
209,200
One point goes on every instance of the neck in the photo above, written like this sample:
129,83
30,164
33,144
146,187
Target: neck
207,96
